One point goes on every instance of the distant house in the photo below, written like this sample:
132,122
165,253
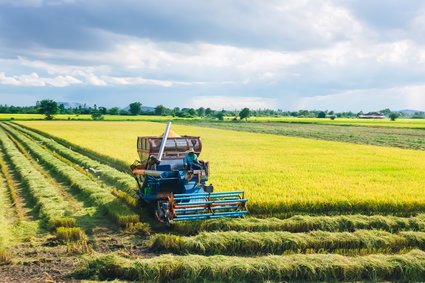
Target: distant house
372,115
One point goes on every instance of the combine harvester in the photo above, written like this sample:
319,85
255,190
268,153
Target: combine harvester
175,191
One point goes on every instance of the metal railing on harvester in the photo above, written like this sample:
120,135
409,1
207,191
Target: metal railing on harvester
206,205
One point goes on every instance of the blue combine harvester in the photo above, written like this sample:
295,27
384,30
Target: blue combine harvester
176,191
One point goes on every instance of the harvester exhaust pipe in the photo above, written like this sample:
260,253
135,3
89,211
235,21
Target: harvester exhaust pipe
164,141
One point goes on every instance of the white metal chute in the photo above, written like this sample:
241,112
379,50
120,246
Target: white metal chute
164,141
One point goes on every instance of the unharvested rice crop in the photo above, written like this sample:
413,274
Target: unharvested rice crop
281,176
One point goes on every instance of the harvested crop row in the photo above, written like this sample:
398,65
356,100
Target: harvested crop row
4,222
313,267
256,243
99,196
109,174
52,207
16,201
303,223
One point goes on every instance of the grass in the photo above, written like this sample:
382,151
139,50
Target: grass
259,243
304,223
315,267
282,176
98,195
400,123
412,138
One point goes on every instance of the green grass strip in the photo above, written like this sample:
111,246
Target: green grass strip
51,205
312,267
301,223
257,243
110,175
98,195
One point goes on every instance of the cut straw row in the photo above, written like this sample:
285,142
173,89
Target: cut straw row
304,223
109,174
96,194
51,205
314,267
258,243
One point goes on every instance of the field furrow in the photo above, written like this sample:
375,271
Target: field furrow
97,195
314,267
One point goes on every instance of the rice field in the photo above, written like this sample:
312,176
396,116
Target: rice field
399,123
281,176
319,210
87,117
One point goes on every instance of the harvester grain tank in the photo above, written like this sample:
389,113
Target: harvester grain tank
174,190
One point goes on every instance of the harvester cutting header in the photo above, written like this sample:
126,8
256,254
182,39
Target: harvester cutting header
172,180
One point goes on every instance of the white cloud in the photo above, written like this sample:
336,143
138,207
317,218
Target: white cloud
398,98
34,79
233,102
35,3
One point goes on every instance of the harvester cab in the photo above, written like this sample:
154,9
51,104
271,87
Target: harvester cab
176,191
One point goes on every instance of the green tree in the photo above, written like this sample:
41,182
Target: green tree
47,107
135,108
245,113
175,112
192,112
201,111
208,111
220,115
160,110
61,109
386,111
114,111
97,115
321,115
393,116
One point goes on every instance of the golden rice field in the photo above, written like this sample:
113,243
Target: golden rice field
279,174
87,117
401,123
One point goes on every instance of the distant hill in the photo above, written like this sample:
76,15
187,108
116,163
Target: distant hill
409,111
70,104
144,108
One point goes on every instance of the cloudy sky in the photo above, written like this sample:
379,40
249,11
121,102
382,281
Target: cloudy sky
289,54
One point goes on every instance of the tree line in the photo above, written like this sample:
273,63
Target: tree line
50,108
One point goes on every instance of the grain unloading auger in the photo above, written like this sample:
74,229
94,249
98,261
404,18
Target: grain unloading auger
176,191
